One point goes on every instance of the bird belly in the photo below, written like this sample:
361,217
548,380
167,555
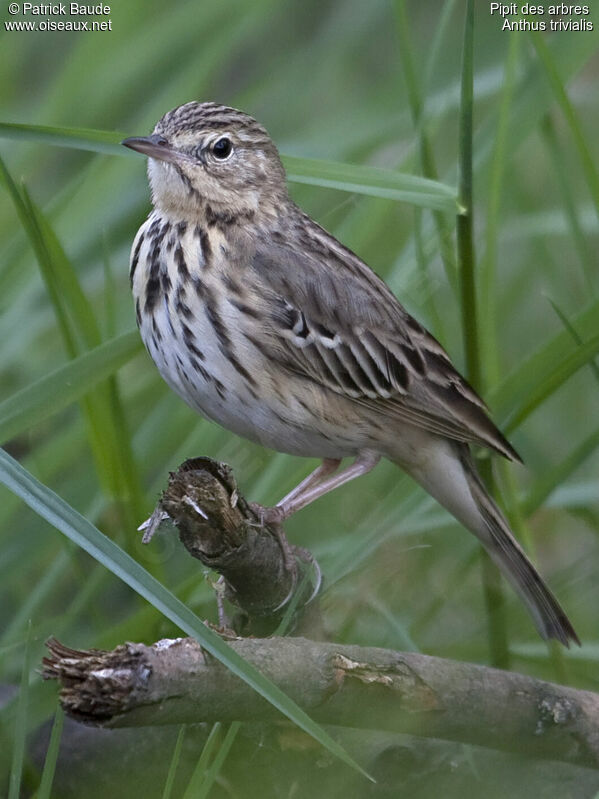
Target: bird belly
215,389
196,339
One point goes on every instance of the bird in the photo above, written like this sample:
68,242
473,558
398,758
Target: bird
265,323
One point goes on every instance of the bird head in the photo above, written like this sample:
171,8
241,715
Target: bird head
205,153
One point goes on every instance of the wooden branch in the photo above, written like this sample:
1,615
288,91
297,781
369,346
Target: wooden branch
222,530
177,682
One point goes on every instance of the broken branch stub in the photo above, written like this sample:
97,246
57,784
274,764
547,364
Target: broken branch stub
219,527
176,681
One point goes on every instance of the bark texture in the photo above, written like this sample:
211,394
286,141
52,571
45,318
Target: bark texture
222,530
346,687
175,681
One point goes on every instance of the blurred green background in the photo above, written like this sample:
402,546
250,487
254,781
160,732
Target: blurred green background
328,80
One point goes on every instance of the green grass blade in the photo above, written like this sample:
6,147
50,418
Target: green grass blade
38,594
68,383
110,289
438,42
210,776
45,789
564,177
174,764
498,171
40,249
80,330
202,765
574,333
537,366
426,155
496,622
465,238
20,738
586,157
354,178
371,180
203,779
531,100
64,278
544,388
544,487
59,514
97,141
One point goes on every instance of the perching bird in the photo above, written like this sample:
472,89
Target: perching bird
263,322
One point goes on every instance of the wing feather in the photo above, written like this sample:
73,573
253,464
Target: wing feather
342,328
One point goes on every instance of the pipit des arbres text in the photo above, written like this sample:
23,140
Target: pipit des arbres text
263,322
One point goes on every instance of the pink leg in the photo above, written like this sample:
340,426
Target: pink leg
363,464
307,491
328,466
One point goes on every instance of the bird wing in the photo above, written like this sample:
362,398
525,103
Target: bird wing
341,327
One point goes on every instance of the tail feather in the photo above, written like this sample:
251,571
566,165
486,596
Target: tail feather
548,615
447,471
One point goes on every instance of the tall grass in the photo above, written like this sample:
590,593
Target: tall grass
389,123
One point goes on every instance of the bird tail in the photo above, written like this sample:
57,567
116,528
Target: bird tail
451,477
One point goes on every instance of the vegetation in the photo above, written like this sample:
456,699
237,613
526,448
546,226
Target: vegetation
84,412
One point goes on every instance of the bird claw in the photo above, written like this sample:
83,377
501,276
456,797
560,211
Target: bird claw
273,517
290,556
307,557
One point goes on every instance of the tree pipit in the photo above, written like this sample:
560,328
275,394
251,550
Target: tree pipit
263,322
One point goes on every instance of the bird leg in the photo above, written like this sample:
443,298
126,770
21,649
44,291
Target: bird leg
319,482
314,486
328,466
274,514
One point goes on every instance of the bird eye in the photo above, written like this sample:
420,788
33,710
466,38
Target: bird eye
222,148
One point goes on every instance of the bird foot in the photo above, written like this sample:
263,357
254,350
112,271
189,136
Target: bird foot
307,557
289,559
274,515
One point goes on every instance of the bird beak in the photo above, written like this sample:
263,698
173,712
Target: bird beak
154,146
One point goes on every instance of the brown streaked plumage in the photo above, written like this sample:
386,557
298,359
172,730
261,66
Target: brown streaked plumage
265,323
